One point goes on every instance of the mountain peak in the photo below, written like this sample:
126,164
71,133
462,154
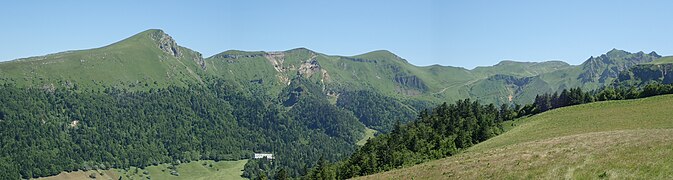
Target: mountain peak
654,54
380,55
301,49
155,38
165,42
616,53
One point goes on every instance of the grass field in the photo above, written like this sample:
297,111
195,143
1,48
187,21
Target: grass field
369,133
204,169
617,139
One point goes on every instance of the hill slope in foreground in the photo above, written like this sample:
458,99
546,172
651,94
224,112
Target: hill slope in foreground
616,139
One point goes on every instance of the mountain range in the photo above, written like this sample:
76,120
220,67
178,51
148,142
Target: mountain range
153,59
146,100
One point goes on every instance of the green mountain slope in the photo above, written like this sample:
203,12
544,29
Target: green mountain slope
663,60
391,75
615,139
380,71
522,69
148,58
640,75
152,59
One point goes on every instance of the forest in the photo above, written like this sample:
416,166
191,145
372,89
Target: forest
46,131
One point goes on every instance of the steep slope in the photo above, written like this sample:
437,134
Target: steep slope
615,139
149,58
594,73
643,74
380,71
153,59
391,75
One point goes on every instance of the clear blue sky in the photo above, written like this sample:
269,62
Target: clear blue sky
457,33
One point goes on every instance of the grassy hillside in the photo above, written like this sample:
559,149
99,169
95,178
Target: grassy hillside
663,60
153,59
614,139
379,71
150,58
521,69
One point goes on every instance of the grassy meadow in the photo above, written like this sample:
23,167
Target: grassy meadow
369,133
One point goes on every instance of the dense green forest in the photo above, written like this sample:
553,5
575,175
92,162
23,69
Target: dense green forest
436,133
376,111
46,131
448,128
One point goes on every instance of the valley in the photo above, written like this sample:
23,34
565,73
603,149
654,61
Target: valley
147,102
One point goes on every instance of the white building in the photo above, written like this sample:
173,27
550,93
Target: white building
262,155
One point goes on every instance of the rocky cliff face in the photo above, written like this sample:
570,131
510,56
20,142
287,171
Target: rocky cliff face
309,67
166,43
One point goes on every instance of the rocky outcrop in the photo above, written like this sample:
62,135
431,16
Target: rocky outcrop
309,67
276,59
199,60
166,43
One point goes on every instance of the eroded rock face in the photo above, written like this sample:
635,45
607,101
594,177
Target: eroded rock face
198,58
309,67
202,63
167,44
276,59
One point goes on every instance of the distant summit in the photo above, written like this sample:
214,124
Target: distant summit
380,55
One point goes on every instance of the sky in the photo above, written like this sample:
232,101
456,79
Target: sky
425,32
